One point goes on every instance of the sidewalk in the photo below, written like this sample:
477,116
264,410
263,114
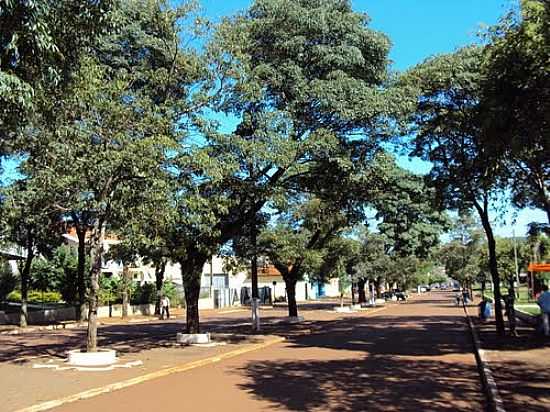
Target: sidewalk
520,366
143,339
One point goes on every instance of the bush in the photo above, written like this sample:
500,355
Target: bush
36,296
66,260
143,294
169,289
109,290
8,281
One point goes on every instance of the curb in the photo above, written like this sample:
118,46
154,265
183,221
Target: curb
490,388
148,377
373,311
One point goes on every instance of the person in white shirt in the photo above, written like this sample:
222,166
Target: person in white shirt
544,303
165,303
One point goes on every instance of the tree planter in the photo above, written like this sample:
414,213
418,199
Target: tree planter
103,357
193,338
342,309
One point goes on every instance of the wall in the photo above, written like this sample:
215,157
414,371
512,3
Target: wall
69,314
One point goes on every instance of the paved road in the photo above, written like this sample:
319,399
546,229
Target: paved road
411,357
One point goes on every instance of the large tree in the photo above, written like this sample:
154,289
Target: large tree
462,256
297,243
113,131
448,124
409,226
305,81
407,212
516,101
31,224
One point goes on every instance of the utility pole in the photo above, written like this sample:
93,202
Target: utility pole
254,279
211,277
516,262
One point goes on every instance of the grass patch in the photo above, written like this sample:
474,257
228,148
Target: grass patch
530,309
523,295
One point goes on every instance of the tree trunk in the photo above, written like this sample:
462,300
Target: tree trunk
93,297
291,297
191,270
377,284
81,269
361,290
159,280
125,290
25,277
192,292
493,266
511,309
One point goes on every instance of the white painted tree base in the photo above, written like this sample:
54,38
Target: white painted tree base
342,309
103,357
193,338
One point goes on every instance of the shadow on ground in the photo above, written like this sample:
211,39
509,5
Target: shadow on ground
522,386
373,383
125,339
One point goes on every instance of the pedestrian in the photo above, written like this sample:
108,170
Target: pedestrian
544,303
165,303
482,310
457,298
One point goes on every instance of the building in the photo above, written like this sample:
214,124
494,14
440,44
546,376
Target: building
269,276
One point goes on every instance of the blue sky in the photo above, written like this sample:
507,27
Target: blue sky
418,29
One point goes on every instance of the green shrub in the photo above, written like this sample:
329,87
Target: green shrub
169,289
143,294
109,290
36,296
8,280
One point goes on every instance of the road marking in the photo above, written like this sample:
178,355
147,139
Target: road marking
148,377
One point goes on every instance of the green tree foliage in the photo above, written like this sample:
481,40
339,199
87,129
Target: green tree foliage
464,257
31,224
66,260
516,101
296,243
97,165
8,280
303,90
40,47
448,132
409,217
45,276
373,263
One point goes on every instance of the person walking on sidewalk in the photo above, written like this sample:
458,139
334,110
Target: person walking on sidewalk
165,303
544,303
